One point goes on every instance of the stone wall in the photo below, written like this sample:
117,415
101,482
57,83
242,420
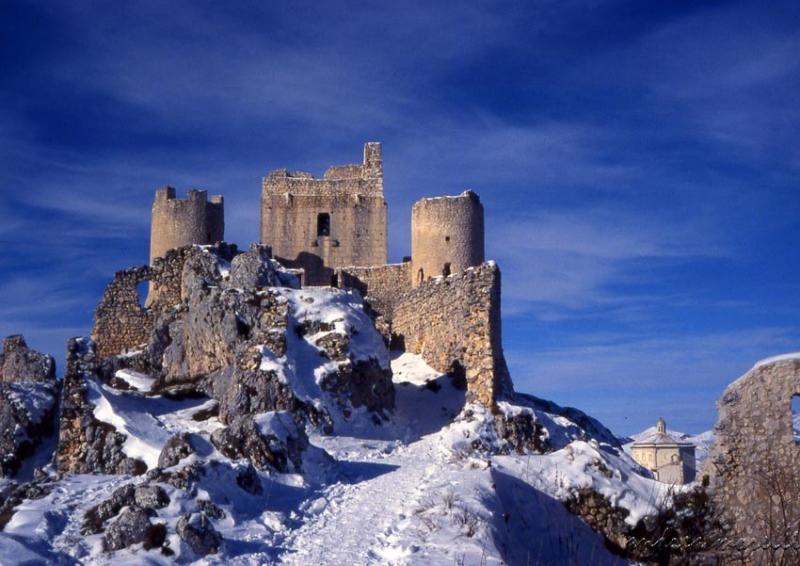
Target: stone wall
446,236
121,324
755,462
454,324
176,222
381,286
355,232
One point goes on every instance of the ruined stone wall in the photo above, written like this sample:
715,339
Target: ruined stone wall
755,462
446,236
454,324
382,286
176,222
351,196
121,324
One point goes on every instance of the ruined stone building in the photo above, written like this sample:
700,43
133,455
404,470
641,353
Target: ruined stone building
670,460
443,304
176,222
319,225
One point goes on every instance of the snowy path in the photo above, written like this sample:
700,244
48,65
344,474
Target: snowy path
360,519
359,523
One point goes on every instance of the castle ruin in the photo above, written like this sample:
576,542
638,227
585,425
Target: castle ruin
318,225
443,304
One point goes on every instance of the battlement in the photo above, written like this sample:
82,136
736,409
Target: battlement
319,225
365,179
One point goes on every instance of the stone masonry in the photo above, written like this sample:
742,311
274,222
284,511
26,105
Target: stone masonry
446,236
322,224
177,222
121,323
454,324
383,284
755,463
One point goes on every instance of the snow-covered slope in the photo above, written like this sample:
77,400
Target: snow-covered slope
401,492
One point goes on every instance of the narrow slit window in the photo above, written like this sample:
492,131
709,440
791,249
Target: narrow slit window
420,276
796,418
323,224
446,270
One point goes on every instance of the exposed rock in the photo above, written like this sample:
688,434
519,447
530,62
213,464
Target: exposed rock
150,497
521,431
244,439
211,509
18,363
247,478
362,384
175,449
197,531
96,516
28,397
254,269
129,528
87,445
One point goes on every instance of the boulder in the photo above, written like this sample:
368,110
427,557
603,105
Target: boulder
131,527
197,531
176,449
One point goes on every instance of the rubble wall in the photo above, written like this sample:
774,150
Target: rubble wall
454,324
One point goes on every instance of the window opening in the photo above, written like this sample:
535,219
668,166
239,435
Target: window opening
323,224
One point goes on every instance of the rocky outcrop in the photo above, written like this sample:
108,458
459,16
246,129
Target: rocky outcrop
28,400
274,442
87,445
20,364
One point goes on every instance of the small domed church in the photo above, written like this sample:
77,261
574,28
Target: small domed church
670,460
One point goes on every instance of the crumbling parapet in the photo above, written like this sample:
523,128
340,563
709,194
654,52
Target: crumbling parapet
319,225
121,323
382,285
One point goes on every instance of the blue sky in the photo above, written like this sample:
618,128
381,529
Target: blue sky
638,162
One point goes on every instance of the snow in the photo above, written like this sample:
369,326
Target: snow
138,381
35,399
147,422
404,492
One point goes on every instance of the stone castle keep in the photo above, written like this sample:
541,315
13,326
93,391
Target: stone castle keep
443,304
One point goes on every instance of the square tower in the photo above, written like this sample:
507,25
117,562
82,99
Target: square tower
323,224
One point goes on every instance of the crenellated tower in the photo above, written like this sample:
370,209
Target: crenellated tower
178,222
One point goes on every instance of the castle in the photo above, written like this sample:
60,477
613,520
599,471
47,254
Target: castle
444,303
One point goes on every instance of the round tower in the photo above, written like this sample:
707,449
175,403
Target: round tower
176,222
446,236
